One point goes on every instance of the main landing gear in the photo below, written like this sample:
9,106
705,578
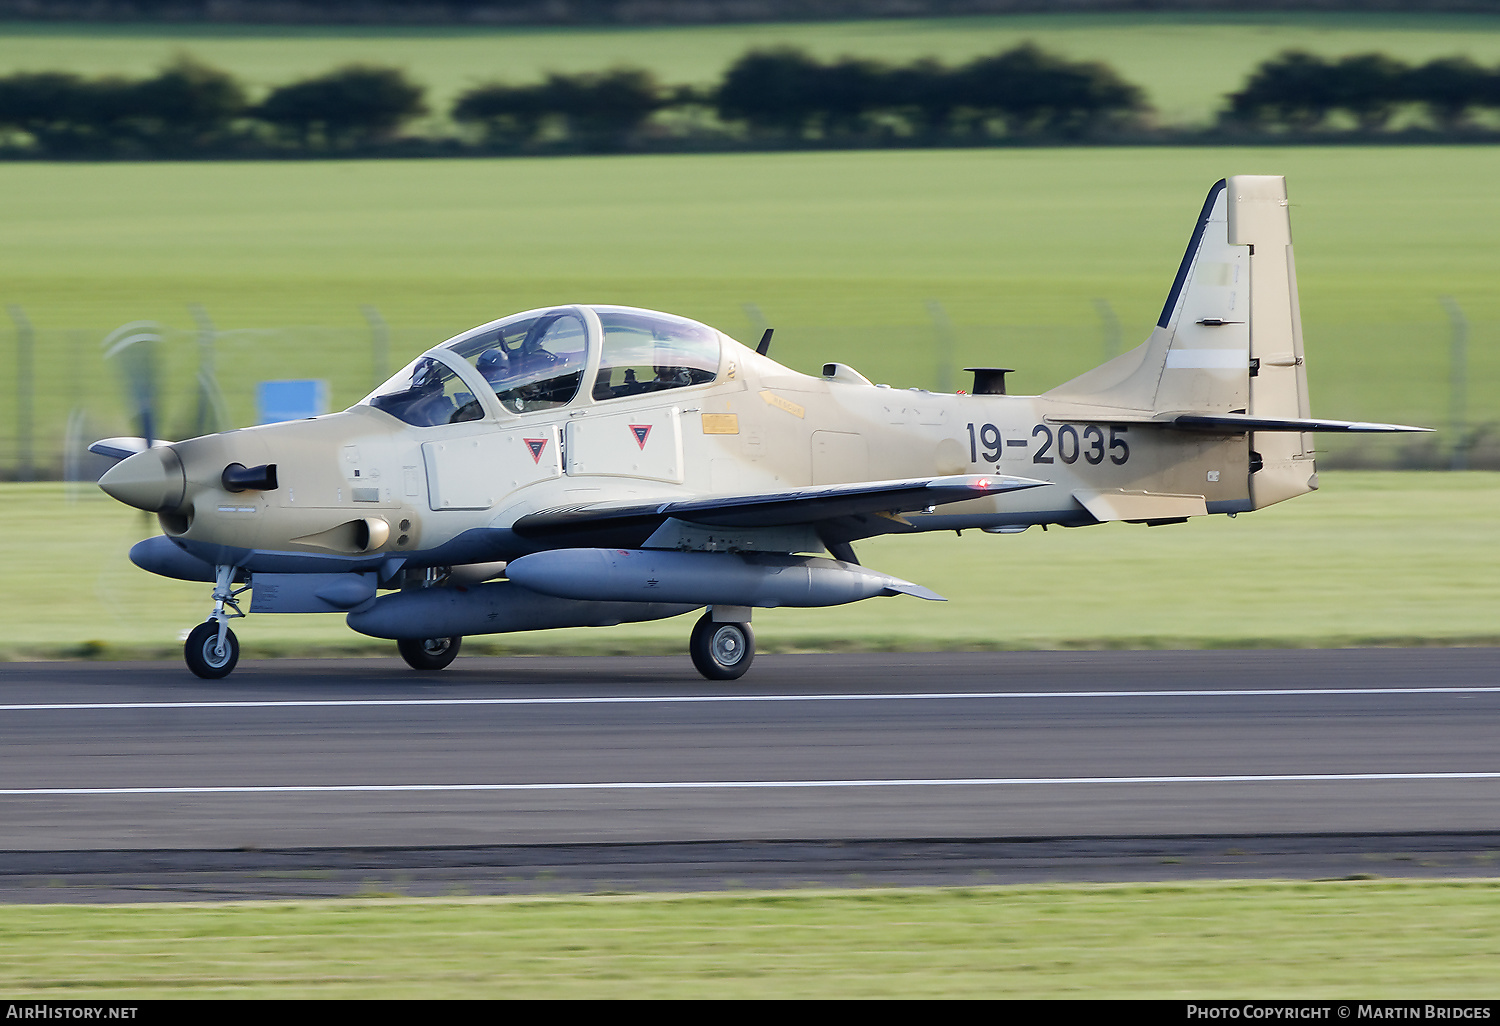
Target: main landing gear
720,650
212,650
722,646
429,653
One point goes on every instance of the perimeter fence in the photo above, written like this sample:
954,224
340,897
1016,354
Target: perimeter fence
61,392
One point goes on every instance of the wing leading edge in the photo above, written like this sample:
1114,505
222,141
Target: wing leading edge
813,506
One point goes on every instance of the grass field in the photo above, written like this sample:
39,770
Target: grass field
1367,940
841,252
1371,558
1185,62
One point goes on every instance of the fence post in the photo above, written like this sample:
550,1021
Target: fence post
946,343
758,323
25,390
1458,383
73,437
209,405
380,344
1111,328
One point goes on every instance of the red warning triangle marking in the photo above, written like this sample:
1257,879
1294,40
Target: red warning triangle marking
641,432
536,445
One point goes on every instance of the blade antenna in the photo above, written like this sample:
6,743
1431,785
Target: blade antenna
765,342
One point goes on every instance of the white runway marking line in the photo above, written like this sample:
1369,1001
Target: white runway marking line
685,785
351,703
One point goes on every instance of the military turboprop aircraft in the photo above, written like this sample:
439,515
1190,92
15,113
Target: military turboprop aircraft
595,465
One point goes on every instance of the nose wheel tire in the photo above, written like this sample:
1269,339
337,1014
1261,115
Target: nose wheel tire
429,653
721,651
203,655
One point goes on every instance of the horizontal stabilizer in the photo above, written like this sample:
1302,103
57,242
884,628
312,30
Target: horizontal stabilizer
1235,423
1226,423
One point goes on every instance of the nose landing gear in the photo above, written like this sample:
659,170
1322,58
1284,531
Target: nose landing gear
206,655
212,650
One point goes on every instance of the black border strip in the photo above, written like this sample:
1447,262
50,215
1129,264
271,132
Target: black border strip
1192,249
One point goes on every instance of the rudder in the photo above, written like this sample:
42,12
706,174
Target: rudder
1259,220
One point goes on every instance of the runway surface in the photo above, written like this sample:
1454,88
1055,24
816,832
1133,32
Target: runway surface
291,777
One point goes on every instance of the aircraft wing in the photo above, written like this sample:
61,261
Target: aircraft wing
814,506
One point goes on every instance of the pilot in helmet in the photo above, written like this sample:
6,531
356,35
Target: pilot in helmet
495,365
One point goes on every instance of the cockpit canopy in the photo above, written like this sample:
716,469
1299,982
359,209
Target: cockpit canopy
538,361
648,352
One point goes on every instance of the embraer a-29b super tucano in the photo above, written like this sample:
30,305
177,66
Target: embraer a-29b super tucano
595,465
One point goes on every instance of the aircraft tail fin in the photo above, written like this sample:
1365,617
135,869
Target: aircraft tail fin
1229,338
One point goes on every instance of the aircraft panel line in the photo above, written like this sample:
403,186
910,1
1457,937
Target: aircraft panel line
706,699
626,785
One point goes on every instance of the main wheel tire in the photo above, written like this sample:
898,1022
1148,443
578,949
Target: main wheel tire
202,654
721,651
429,653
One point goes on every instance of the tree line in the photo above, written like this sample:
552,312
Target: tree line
780,97
189,108
1300,91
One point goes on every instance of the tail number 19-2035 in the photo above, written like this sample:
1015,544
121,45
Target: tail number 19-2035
1068,443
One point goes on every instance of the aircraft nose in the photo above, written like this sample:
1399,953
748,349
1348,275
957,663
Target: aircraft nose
152,480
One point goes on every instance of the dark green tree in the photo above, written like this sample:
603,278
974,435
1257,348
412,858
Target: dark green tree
1032,92
187,106
45,105
925,93
355,106
846,92
1368,86
1489,89
506,115
67,115
604,110
773,91
1450,88
1294,89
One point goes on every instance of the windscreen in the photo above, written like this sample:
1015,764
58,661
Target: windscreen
532,363
428,392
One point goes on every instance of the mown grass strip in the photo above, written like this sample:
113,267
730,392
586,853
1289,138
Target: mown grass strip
1364,939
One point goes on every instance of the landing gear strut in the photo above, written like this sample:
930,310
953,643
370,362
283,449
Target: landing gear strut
429,653
722,649
212,650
